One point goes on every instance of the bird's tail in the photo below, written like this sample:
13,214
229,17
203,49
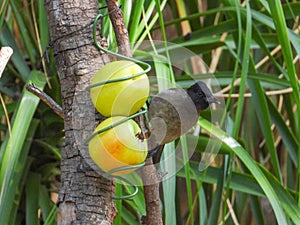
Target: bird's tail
156,153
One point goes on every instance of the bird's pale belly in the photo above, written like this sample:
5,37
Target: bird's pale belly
171,116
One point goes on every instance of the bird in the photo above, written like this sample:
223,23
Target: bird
173,112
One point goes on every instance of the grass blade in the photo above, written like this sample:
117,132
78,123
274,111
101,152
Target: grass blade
184,146
286,134
45,203
32,198
20,176
7,39
251,165
257,211
23,31
12,146
217,199
262,112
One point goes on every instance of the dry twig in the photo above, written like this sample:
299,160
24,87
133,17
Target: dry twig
45,98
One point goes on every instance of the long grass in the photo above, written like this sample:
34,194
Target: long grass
251,50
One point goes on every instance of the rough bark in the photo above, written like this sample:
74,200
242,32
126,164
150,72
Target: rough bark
120,29
151,181
85,196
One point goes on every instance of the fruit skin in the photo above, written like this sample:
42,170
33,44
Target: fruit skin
118,146
120,98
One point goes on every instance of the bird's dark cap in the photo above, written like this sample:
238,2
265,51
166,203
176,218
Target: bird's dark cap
209,96
212,99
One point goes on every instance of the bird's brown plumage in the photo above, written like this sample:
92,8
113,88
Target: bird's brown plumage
175,111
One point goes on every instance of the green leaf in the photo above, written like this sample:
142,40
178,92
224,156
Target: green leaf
24,32
251,165
32,198
262,111
51,218
45,203
13,143
217,199
257,210
286,134
7,39
3,8
43,25
19,177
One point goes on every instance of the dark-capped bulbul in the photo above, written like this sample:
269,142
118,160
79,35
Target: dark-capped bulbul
174,112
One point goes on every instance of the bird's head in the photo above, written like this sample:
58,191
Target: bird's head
201,96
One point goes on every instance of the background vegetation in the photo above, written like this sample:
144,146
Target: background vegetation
251,47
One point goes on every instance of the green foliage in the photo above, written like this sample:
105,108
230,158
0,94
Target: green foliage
258,133
29,152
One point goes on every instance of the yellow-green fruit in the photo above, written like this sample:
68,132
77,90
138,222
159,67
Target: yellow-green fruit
118,146
120,98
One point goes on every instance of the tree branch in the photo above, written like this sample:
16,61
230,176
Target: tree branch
149,173
46,99
151,181
117,19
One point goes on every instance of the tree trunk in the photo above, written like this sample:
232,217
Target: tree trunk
85,196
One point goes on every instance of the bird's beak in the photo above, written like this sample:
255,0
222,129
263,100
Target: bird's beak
212,99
